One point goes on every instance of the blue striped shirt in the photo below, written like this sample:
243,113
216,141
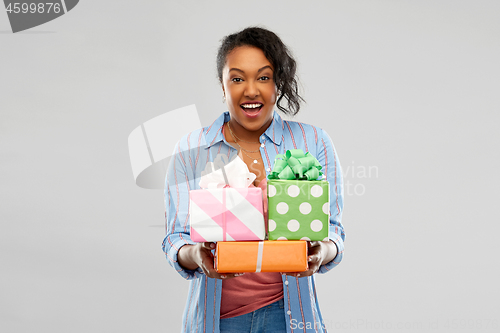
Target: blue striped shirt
191,154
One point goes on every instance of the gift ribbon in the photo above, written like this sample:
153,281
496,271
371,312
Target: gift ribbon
294,164
259,257
222,172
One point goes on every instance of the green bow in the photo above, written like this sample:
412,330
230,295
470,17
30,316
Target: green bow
295,165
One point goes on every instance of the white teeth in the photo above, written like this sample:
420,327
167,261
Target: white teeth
251,106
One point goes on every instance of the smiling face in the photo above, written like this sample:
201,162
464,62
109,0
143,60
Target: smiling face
248,84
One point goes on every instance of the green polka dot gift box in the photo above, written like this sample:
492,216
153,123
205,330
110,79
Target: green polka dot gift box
298,210
299,204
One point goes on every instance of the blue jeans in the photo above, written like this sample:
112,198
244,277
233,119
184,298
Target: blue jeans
268,319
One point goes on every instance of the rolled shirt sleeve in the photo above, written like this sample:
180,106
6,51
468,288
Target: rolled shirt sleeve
178,182
327,157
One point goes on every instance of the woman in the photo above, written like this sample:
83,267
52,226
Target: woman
257,73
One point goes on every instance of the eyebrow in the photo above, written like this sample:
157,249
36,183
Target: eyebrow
260,69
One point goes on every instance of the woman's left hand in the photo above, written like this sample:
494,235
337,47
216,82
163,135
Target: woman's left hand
319,253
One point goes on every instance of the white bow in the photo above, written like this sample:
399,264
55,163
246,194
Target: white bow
222,172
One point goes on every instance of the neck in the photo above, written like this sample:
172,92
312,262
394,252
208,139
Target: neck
243,134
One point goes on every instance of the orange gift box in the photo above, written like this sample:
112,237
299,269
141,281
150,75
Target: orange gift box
264,256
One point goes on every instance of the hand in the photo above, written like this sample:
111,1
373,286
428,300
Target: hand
200,255
319,253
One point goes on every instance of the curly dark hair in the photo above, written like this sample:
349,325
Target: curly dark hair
278,55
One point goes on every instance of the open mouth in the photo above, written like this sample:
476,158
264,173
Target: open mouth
251,109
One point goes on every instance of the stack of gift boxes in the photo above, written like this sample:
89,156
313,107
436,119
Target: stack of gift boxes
230,213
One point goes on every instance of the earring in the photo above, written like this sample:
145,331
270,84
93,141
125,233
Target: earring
224,98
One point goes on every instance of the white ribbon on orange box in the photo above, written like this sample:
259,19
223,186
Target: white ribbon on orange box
259,257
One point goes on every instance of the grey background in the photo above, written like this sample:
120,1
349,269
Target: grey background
409,88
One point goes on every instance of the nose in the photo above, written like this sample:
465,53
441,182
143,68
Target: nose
251,89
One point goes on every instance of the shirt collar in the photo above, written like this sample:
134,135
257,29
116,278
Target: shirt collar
213,133
275,131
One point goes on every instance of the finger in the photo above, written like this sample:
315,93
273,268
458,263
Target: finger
313,267
210,272
223,276
310,271
314,258
207,265
314,246
208,245
314,262
306,273
314,253
226,276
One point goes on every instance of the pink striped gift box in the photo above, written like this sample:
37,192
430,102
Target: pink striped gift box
226,214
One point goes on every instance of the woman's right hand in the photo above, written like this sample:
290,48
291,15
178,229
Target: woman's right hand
200,255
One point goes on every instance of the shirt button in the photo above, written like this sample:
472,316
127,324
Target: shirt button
269,170
263,138
289,312
286,282
262,145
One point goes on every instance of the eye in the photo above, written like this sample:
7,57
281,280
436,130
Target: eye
236,79
264,78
